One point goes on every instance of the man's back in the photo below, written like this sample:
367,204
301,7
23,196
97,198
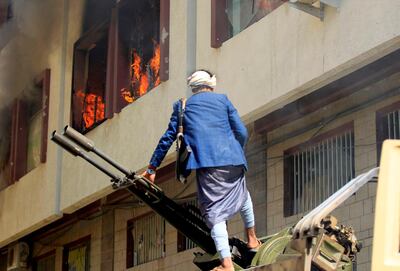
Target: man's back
214,131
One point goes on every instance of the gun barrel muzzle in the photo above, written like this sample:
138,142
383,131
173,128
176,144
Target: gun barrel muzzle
78,138
65,144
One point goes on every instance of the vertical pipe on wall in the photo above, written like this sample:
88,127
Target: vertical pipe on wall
61,107
191,38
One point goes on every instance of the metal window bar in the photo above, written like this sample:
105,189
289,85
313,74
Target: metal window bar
148,238
189,244
393,124
322,169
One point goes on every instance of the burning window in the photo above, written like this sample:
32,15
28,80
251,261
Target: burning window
230,17
90,67
139,28
119,61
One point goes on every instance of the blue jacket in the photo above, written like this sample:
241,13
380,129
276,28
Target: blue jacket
212,129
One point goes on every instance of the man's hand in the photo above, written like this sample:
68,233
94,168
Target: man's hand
148,176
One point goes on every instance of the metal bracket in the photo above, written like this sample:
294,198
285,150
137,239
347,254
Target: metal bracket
307,6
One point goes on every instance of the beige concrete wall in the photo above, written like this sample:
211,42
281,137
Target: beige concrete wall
289,53
32,202
70,234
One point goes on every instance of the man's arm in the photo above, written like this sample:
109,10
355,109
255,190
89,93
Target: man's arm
237,126
166,139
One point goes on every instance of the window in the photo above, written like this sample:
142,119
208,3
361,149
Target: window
46,262
29,125
90,65
230,17
387,125
3,260
315,170
184,243
6,12
76,255
119,60
145,239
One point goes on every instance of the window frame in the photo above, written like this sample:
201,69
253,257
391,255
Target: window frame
84,241
288,204
130,249
219,23
19,129
49,254
181,239
115,70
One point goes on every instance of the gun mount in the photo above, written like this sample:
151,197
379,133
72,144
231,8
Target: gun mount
315,243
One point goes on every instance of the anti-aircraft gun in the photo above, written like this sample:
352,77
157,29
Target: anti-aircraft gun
316,242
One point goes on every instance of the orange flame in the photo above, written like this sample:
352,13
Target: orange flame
143,78
92,108
126,94
155,64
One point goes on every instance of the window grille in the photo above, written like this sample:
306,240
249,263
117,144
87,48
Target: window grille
393,125
148,235
317,171
183,242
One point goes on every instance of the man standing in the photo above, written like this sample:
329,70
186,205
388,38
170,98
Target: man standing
217,136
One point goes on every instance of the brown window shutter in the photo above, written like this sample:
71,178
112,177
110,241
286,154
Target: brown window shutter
219,23
78,84
19,140
111,65
129,245
45,117
3,11
164,39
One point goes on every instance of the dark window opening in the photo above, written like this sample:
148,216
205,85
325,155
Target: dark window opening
90,67
139,48
76,255
3,260
230,17
315,170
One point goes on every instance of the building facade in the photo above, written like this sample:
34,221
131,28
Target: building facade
318,93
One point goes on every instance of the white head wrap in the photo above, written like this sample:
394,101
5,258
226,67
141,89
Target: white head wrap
201,78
